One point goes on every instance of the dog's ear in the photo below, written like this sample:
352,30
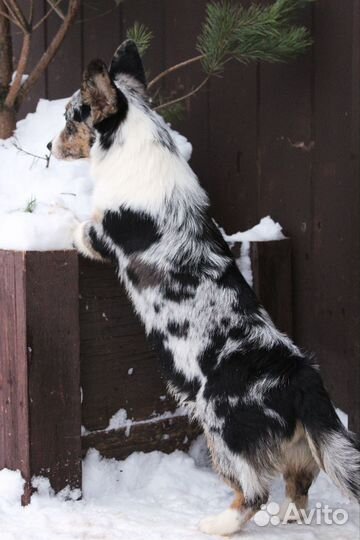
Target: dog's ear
127,60
98,91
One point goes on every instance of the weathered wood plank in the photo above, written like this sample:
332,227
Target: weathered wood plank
334,328
101,29
232,126
52,318
39,367
177,48
63,76
285,144
164,435
14,402
272,271
118,368
153,18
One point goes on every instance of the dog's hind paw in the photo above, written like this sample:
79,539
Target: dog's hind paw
224,524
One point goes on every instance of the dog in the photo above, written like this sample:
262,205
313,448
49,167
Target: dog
260,400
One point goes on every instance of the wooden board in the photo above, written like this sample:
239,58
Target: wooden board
14,400
39,367
166,435
118,368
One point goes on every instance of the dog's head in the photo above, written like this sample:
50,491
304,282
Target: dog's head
100,106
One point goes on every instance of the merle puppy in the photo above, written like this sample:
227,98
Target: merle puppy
260,400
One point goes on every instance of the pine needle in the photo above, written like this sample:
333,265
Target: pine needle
141,35
173,113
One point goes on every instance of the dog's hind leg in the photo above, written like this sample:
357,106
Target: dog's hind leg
249,498
299,471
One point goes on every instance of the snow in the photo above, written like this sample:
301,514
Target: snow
120,420
150,497
23,78
40,205
265,231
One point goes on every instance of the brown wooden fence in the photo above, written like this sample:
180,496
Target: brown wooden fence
268,139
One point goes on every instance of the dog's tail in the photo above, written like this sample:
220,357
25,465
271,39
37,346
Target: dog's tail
334,448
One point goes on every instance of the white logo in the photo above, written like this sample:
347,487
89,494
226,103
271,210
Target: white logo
269,515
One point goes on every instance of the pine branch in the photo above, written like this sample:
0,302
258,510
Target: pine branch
141,35
257,33
171,69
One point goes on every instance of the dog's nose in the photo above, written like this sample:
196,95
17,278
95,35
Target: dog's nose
49,146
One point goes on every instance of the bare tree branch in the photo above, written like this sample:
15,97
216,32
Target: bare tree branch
31,13
10,18
174,68
40,22
17,13
20,70
52,49
54,4
182,98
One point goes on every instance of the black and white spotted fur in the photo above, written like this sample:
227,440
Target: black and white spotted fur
260,400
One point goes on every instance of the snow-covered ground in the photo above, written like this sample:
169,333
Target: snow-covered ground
152,497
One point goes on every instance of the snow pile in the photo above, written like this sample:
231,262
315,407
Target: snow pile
148,497
40,206
265,231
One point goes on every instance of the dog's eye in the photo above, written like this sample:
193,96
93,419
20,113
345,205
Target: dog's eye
77,116
85,112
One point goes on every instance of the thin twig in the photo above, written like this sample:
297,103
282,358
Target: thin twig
55,6
8,16
45,158
31,13
175,68
182,98
17,12
40,22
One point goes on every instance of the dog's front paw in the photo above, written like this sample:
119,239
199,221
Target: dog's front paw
79,234
224,524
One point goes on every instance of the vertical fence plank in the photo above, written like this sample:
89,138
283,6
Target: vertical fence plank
64,73
54,366
153,19
232,126
285,145
101,29
40,367
182,27
14,403
336,226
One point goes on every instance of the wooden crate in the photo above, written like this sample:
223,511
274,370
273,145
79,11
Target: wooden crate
72,354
